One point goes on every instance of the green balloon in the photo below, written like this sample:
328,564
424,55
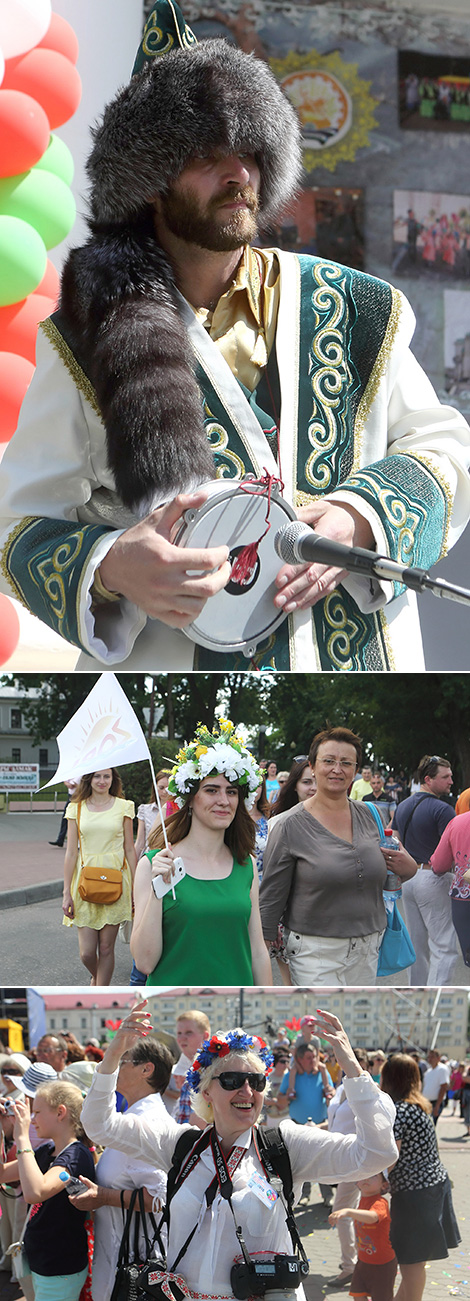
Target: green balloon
58,159
23,260
40,199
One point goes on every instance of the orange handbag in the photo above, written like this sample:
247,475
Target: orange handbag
98,884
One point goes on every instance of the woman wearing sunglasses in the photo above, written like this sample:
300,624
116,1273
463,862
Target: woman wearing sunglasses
229,1079
324,874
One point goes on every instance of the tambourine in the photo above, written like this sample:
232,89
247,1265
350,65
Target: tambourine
243,613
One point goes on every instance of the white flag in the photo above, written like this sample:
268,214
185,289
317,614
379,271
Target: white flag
103,733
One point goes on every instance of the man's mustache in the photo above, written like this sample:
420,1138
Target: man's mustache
235,193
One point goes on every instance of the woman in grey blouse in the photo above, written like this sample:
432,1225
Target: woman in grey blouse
324,874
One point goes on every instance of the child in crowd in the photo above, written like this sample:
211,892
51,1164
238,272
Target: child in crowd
192,1028
375,1272
55,1239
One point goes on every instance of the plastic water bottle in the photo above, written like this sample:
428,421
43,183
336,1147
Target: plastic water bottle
392,887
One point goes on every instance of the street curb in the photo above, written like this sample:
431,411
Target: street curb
27,894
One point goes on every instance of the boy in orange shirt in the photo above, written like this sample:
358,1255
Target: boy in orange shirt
375,1272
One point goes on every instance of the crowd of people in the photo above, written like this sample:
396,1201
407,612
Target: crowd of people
237,866
112,1115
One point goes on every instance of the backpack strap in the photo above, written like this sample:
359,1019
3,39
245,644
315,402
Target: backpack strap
419,800
190,1142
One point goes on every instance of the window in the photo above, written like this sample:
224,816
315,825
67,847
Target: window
43,758
16,755
52,1022
83,1022
65,1023
15,718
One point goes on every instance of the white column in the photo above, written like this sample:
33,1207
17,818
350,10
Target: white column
109,32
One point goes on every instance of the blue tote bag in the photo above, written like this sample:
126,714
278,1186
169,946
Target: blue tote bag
396,950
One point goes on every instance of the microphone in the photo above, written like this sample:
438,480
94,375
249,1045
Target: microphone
298,544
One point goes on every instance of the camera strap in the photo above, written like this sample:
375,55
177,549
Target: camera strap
275,1160
222,1179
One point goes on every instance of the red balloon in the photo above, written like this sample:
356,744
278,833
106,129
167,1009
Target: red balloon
19,325
10,629
24,132
48,77
60,36
15,375
49,286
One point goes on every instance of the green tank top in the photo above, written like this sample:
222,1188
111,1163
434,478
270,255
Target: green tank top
205,931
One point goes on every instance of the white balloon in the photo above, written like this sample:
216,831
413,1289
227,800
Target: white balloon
23,23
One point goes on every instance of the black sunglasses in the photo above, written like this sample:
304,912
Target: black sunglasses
232,1080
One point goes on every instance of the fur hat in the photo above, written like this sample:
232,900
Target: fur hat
186,104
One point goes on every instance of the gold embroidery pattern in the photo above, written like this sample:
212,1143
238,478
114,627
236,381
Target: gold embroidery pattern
378,371
218,439
397,513
437,473
382,618
52,570
12,537
344,632
330,374
66,355
153,42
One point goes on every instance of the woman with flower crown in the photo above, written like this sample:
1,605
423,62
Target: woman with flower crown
207,930
228,1080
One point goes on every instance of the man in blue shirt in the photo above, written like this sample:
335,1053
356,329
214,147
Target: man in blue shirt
309,1100
420,821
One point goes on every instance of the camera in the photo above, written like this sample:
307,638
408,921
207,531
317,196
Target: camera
9,1106
272,1273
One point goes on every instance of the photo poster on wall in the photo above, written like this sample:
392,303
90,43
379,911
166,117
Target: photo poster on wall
431,234
434,92
326,221
457,347
343,67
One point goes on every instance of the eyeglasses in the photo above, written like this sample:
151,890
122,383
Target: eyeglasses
232,1080
298,757
127,1058
345,764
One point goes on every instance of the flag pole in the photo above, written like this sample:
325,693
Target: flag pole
160,810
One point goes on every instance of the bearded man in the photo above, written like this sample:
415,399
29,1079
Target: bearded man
181,354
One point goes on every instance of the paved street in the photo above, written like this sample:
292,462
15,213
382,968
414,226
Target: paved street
31,874
445,1278
37,949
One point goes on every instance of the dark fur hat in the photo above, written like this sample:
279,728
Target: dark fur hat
183,105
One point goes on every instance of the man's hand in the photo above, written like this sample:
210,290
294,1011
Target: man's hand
303,585
145,566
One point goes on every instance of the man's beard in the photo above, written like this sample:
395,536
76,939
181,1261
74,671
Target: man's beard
208,226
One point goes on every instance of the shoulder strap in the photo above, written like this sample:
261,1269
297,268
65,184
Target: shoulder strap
375,814
419,800
123,1257
272,1148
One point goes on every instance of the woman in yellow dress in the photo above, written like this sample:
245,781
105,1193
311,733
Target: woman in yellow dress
100,832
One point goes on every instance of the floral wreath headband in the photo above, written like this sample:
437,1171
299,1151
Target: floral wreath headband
222,1044
219,751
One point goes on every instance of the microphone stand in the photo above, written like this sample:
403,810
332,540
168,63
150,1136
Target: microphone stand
418,579
358,560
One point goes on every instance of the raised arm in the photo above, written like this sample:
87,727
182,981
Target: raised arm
153,1139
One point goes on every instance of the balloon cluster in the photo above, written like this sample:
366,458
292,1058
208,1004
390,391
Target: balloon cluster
40,89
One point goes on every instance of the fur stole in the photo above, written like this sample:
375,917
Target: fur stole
118,307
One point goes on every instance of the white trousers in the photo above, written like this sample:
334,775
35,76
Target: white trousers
428,916
347,1195
326,960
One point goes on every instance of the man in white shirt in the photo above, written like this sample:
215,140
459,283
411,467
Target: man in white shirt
436,1083
143,1075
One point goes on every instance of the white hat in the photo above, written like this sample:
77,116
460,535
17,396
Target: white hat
38,1073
